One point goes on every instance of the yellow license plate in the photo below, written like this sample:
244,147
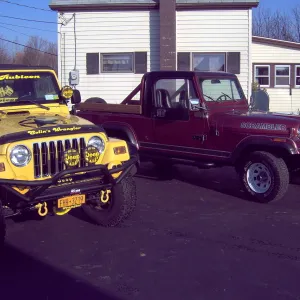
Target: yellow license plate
71,201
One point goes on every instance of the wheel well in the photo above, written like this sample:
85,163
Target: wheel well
276,151
117,133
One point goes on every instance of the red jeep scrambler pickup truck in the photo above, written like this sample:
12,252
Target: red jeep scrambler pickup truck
203,119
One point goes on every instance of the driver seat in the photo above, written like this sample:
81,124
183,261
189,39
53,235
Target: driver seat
163,98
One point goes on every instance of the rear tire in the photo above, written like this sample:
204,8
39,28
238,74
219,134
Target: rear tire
2,227
95,100
264,176
124,200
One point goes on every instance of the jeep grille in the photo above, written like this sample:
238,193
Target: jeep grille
48,156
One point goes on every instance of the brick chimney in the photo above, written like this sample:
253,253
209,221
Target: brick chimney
167,11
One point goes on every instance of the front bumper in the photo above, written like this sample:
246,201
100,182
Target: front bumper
49,189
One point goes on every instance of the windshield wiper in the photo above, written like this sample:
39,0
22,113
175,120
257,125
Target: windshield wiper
36,103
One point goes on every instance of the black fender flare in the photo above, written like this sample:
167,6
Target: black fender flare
122,127
268,142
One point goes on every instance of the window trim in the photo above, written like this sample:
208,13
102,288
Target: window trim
212,53
275,76
269,75
117,53
296,85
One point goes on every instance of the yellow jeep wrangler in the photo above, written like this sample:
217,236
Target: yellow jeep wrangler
52,161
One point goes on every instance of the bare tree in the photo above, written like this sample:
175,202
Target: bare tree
296,15
40,52
5,58
277,25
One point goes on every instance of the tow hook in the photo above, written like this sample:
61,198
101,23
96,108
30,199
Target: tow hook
40,207
105,196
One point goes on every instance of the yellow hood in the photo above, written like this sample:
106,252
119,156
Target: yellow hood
14,123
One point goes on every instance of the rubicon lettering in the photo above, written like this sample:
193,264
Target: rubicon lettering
8,77
264,126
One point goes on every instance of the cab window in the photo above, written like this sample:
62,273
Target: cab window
219,89
171,98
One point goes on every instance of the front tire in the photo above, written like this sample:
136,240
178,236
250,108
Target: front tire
123,202
2,226
264,176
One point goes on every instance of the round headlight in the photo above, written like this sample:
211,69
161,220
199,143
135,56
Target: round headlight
97,142
20,156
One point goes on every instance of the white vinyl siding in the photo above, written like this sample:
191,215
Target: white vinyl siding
262,53
108,32
280,98
217,31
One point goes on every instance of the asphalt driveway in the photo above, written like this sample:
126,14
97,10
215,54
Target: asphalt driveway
192,237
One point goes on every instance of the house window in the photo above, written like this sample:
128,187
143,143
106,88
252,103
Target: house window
209,62
117,63
92,63
282,76
262,75
297,76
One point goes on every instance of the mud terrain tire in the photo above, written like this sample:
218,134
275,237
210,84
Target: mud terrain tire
124,199
2,227
95,100
273,171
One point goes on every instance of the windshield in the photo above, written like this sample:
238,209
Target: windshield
27,86
220,89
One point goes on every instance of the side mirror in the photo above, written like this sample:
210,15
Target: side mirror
76,97
195,104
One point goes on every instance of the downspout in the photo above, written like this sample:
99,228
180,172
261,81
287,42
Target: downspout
250,54
64,59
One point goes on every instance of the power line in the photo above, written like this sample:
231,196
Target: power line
14,3
15,30
28,47
29,20
28,27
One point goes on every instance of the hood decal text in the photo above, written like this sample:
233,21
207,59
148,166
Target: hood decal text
54,129
264,126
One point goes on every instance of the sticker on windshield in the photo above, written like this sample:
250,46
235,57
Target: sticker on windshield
6,91
51,97
8,77
3,100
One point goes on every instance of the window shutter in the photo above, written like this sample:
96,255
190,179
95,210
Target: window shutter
92,63
140,62
234,62
183,61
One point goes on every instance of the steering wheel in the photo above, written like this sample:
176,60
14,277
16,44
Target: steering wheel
223,96
209,97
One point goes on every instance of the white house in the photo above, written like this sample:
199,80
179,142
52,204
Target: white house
112,43
276,66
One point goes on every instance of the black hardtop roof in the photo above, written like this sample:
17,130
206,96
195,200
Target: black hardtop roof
190,73
24,67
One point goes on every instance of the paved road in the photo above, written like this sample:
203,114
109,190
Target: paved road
192,237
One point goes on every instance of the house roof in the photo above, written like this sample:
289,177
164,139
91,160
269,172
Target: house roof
81,5
275,42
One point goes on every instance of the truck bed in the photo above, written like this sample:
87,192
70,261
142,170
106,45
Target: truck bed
113,108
